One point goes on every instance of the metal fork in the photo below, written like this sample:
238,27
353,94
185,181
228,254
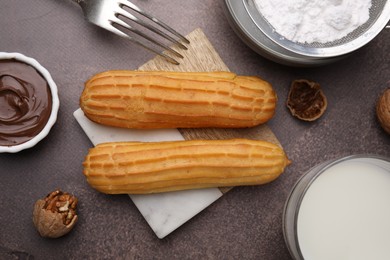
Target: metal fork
107,13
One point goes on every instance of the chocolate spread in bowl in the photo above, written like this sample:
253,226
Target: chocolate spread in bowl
25,102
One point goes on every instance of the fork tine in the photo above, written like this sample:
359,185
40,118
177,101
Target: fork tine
152,28
155,20
125,25
124,13
138,32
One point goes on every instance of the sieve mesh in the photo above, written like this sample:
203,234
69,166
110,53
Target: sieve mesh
379,17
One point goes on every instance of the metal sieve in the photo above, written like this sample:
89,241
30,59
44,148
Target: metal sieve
379,17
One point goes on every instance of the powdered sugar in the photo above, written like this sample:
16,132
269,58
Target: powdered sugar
309,21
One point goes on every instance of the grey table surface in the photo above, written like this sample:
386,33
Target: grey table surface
247,221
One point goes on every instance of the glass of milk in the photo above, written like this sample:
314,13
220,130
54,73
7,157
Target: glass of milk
340,209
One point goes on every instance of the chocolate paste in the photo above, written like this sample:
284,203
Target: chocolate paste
25,102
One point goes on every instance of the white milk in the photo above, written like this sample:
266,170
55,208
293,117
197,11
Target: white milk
345,213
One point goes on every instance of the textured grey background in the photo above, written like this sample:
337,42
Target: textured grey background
246,222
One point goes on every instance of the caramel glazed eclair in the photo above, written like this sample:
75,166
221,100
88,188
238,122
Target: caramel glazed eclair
151,167
150,99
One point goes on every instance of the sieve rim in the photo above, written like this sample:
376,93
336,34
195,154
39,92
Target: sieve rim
318,52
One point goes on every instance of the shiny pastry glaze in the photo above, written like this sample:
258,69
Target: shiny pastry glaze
25,102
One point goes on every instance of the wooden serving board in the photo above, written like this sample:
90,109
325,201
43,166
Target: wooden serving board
201,56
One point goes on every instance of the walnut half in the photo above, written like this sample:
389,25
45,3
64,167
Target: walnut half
55,215
383,110
306,100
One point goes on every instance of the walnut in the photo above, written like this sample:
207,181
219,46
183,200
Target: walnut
383,110
306,100
55,215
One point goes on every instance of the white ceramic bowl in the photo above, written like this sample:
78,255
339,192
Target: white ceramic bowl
55,102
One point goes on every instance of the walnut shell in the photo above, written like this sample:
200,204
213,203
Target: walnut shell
383,110
48,223
55,215
306,100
